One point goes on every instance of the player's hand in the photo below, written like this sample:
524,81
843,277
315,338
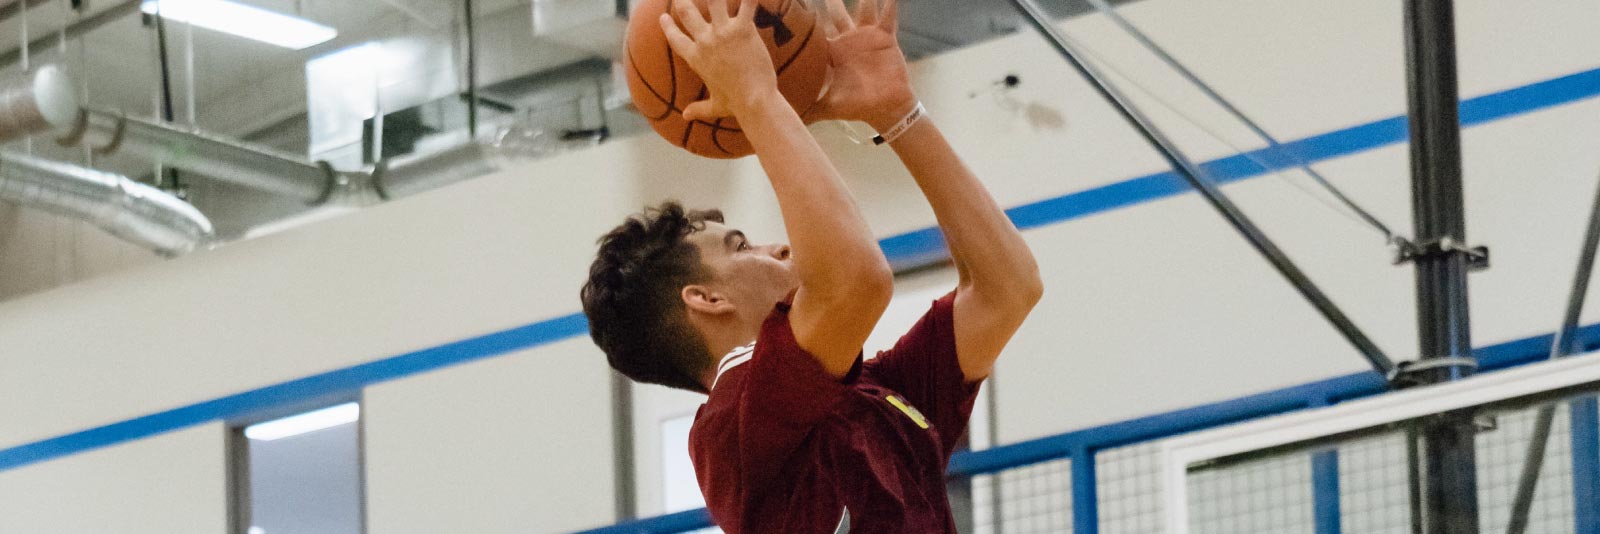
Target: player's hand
870,83
727,53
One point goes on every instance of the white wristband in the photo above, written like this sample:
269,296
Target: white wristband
900,129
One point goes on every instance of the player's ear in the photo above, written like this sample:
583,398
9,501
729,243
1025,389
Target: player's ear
703,299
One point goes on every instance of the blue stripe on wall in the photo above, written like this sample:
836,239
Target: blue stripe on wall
919,247
315,386
924,246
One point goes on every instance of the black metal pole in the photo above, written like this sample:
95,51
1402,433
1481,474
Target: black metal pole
1559,347
472,73
1191,173
170,179
1448,468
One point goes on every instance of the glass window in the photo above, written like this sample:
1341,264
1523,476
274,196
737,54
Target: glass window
301,474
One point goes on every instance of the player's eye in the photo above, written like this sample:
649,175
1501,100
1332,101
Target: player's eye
744,245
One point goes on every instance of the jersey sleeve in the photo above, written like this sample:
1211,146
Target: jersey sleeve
784,395
923,367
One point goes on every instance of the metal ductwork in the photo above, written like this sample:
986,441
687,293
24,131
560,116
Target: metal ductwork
411,175
127,209
36,103
229,161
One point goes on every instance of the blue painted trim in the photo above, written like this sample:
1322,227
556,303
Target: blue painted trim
667,524
926,246
1325,472
914,248
1325,492
1325,487
1491,358
1166,424
1585,417
342,380
1085,492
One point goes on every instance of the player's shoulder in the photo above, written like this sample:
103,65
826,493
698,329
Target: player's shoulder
721,404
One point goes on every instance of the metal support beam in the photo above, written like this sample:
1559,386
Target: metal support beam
1325,492
75,29
1447,468
1208,189
1533,461
1586,465
1085,498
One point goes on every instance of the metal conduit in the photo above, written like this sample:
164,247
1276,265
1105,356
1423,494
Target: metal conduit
122,207
412,175
250,166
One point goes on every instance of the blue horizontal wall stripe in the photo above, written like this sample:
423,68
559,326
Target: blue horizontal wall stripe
926,245
342,380
914,248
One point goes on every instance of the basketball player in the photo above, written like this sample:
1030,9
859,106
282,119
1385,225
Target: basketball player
798,434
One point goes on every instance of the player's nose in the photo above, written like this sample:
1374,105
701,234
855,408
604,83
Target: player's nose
780,252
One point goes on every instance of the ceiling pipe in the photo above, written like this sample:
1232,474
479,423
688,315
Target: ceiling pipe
36,103
222,159
74,30
135,212
414,174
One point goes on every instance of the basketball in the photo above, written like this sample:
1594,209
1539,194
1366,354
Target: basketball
662,84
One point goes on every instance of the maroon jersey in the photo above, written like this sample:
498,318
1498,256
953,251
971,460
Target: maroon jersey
781,446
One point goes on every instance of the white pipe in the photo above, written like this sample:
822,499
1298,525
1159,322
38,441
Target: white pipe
37,103
251,166
411,175
127,209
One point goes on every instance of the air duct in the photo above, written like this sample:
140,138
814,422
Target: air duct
415,174
127,209
36,103
250,166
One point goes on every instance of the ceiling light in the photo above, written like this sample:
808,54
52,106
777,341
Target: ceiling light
304,423
245,21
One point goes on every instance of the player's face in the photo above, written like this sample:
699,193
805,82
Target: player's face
753,275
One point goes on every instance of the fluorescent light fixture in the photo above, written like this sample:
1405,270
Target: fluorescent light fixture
250,22
304,423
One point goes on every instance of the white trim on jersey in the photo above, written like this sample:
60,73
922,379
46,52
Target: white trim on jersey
733,359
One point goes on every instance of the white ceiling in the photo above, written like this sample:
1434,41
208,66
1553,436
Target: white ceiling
243,87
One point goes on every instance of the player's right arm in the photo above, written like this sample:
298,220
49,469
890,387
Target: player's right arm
845,281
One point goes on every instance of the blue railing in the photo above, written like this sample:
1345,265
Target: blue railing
1081,446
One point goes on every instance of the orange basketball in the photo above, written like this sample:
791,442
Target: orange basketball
662,83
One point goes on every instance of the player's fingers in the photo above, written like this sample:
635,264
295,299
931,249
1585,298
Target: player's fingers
704,110
681,44
891,15
867,13
689,16
840,16
747,11
719,10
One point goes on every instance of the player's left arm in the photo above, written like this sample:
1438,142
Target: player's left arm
999,278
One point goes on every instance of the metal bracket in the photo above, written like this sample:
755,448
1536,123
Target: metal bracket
376,178
1403,374
335,180
1407,251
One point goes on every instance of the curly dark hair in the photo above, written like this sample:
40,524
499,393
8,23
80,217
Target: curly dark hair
632,297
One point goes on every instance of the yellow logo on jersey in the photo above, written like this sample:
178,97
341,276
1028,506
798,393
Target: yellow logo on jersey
909,410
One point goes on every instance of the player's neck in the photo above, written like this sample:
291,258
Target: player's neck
724,338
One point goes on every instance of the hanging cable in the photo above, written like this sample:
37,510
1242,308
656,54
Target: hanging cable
1272,142
1191,173
1090,54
